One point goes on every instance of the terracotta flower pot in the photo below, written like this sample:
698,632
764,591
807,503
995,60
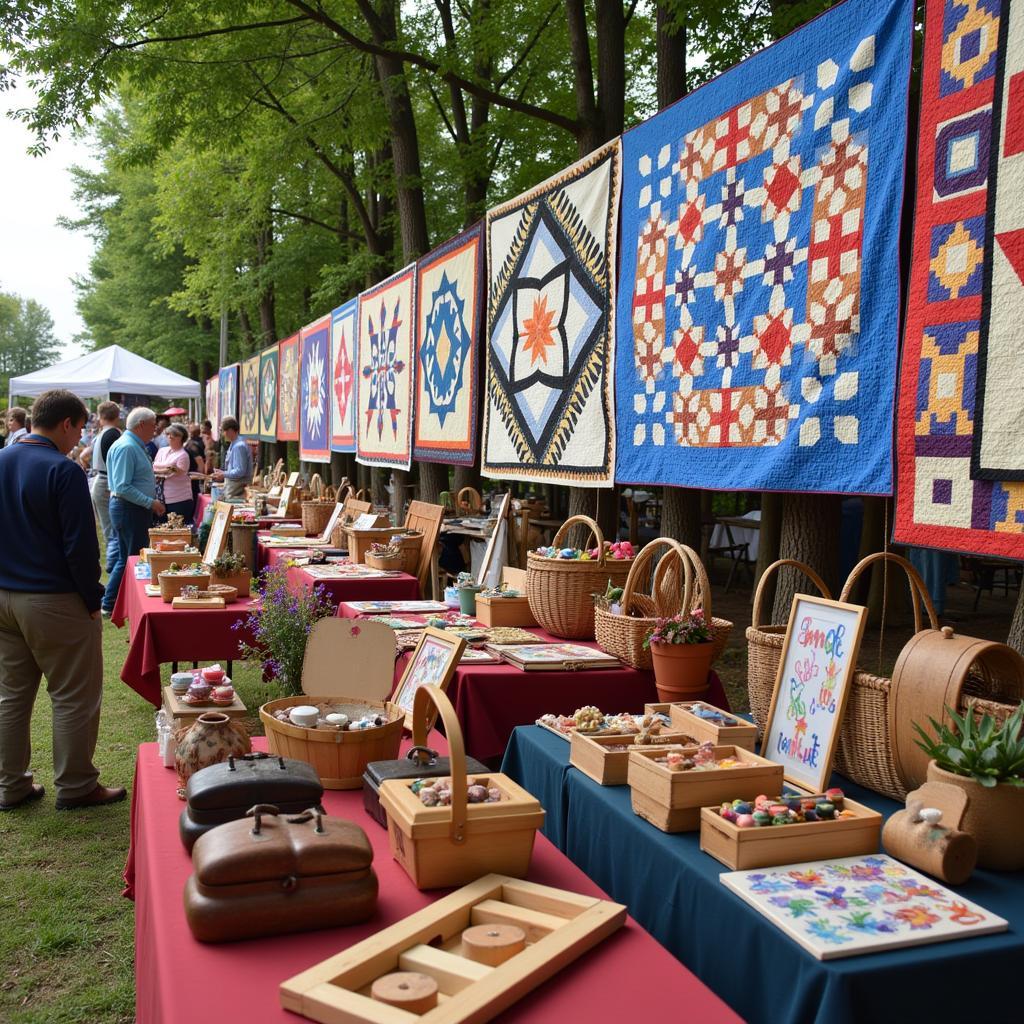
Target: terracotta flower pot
681,670
212,738
995,817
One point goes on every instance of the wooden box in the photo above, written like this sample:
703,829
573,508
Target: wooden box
560,926
504,611
672,800
186,714
171,584
200,603
359,541
742,734
599,757
159,533
161,561
742,848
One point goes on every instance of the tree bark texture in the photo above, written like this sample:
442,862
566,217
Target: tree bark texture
768,544
671,50
809,534
379,486
681,515
433,480
1016,635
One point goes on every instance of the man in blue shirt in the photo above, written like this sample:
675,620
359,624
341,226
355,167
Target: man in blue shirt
50,609
133,500
237,472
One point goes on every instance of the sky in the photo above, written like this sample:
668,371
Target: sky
38,259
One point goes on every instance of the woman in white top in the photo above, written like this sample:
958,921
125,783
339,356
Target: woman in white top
171,465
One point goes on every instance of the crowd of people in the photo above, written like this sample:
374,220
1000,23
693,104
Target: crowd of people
63,471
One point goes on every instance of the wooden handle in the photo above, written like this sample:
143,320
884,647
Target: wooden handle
918,591
823,589
470,503
433,695
699,595
640,565
362,494
591,525
316,485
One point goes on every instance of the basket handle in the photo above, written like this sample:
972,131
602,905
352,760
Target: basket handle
918,591
700,592
755,619
421,708
472,500
329,494
639,567
316,485
591,525
362,494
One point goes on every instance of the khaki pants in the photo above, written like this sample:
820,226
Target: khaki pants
51,635
234,489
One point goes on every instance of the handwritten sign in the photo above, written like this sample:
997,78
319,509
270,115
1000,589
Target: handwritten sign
818,660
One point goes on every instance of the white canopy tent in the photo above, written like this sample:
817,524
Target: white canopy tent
103,372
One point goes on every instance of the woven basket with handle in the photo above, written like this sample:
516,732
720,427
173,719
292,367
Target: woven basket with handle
561,590
317,512
764,644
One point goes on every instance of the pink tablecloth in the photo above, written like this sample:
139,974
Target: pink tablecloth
158,634
202,504
627,977
491,700
389,588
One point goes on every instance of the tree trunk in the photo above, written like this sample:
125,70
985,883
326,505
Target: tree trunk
399,493
681,515
466,476
591,131
810,534
1016,636
610,22
671,44
268,316
379,486
768,544
433,480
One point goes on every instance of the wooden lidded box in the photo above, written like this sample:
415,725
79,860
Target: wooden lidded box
605,759
739,734
504,611
161,561
672,800
444,846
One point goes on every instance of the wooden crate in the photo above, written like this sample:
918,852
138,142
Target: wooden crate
560,926
171,585
672,800
743,734
158,533
771,845
186,714
359,541
504,611
596,757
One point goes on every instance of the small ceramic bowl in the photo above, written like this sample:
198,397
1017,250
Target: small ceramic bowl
199,689
223,695
180,682
304,716
213,676
336,718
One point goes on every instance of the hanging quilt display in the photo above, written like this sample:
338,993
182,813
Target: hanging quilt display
249,414
448,319
549,410
228,391
268,394
314,379
344,340
759,296
384,383
213,404
288,389
961,415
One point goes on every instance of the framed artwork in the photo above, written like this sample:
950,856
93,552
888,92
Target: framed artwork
819,657
213,405
249,414
268,394
859,905
228,404
288,389
344,359
432,664
314,374
500,530
218,537
287,492
332,522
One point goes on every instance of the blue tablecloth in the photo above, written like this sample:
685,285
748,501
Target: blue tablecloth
672,889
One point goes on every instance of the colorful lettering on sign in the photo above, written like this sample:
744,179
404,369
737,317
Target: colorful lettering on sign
830,640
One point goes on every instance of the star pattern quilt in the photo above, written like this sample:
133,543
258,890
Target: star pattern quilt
268,394
249,414
344,340
314,377
288,389
758,300
549,407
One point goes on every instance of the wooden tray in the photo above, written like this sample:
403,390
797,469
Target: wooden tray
187,714
672,801
743,734
560,926
608,767
198,602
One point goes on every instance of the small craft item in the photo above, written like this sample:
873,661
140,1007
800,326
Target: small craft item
397,621
451,597
558,928
384,607
597,723
408,639
553,657
199,691
510,635
225,791
478,656
604,757
438,792
707,722
223,695
273,875
180,682
843,906
407,990
165,737
212,738
926,834
213,674
451,620
175,579
493,944
304,715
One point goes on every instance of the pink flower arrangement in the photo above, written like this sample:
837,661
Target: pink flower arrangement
680,629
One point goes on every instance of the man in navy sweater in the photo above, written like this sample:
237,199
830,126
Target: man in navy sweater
50,620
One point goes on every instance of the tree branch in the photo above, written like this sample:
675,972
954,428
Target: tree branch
531,43
206,33
334,229
440,109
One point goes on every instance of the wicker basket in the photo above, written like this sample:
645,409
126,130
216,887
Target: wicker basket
388,562
764,644
171,584
316,513
561,590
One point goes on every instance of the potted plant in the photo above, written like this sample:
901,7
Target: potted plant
173,529
468,589
681,650
986,761
231,570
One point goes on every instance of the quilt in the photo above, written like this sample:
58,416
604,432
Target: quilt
961,414
549,411
228,391
213,404
384,383
288,389
449,304
268,394
759,298
344,342
249,413
314,380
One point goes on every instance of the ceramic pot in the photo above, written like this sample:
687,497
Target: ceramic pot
995,817
467,599
681,670
243,542
212,738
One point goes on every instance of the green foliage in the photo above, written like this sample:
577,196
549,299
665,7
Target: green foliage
27,341
988,753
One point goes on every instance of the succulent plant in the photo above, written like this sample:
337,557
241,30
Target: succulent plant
228,564
985,751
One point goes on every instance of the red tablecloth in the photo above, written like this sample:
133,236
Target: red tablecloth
158,634
202,504
269,557
627,977
491,700
388,588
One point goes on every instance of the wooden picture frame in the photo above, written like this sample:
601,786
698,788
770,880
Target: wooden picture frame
325,536
485,562
812,686
287,492
219,528
432,663
293,478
